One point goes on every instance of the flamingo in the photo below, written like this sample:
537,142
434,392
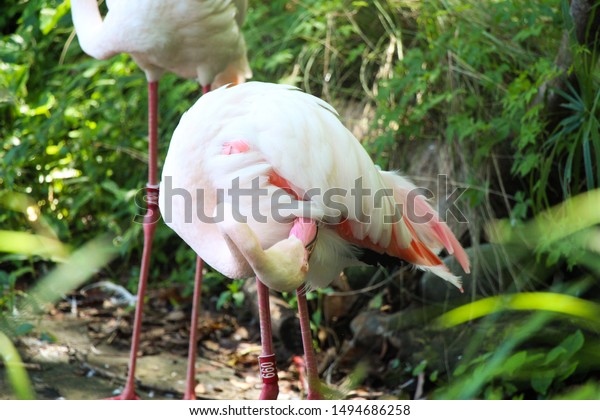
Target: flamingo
195,39
263,179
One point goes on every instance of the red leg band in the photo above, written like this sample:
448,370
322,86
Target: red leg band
268,369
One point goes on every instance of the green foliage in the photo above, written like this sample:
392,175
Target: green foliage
233,295
467,75
537,353
317,44
74,138
574,145
507,372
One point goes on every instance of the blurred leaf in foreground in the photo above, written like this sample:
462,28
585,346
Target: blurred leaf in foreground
532,355
536,301
15,371
76,270
72,273
566,230
26,243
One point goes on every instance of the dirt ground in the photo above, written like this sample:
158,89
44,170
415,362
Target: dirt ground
80,351
73,367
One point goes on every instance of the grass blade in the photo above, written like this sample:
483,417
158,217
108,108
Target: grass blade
15,371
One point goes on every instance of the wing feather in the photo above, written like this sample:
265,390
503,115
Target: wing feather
296,144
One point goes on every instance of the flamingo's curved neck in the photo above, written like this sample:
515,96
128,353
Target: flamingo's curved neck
88,25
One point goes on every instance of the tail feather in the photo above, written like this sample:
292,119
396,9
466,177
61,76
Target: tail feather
442,233
430,234
416,253
443,272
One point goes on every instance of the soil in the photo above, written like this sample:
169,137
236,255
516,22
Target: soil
80,350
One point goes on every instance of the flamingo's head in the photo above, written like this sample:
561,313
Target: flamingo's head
286,265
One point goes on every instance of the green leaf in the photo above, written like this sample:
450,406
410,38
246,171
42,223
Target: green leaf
420,368
224,298
460,369
15,371
238,299
589,391
573,343
49,17
541,381
377,301
24,329
587,157
567,370
47,337
554,354
317,317
515,362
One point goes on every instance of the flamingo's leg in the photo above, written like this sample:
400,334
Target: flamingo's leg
190,383
150,219
266,361
312,373
306,230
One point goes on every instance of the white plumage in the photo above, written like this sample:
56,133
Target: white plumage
297,150
195,39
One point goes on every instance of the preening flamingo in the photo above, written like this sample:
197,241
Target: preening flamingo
195,39
263,179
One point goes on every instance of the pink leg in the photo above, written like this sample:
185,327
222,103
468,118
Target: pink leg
190,384
266,361
314,392
306,230
150,220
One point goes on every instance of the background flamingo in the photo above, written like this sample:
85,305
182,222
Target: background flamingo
278,145
195,39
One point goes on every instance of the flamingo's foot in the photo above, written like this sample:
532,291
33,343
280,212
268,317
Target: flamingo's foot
127,394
